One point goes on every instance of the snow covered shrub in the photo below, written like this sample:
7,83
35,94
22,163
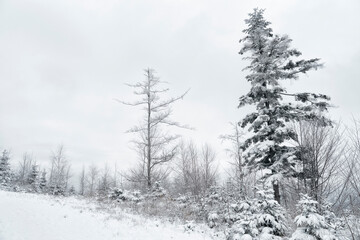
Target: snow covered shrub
310,224
136,196
157,191
213,218
120,195
336,225
5,173
246,225
258,219
57,190
189,226
183,199
43,182
215,206
72,191
234,213
271,217
188,208
34,179
117,194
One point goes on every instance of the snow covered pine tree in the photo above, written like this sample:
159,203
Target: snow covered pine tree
5,173
310,224
261,218
43,181
34,178
271,60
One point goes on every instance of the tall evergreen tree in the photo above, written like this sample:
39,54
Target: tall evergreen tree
272,60
5,173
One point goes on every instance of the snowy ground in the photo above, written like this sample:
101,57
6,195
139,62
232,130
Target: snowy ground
25,216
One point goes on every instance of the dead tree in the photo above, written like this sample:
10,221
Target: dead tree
82,182
25,168
195,172
154,145
91,180
59,172
235,153
208,167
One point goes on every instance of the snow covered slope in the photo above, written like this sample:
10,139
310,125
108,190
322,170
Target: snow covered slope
36,217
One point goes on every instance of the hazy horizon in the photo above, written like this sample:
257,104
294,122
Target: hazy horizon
64,63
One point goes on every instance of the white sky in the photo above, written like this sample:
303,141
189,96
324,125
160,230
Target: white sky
63,63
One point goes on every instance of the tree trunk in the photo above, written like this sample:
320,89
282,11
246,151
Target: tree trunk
149,160
276,192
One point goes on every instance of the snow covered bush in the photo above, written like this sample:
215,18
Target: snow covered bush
189,226
34,180
246,225
271,216
5,173
57,190
43,182
188,207
117,194
212,219
121,195
311,225
157,191
72,191
336,225
258,219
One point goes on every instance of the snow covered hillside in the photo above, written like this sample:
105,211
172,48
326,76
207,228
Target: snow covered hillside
25,216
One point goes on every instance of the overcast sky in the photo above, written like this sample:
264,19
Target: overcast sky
62,63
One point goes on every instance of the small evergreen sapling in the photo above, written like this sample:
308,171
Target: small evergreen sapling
336,224
311,225
271,216
261,218
246,227
214,205
5,172
34,178
72,191
157,191
43,182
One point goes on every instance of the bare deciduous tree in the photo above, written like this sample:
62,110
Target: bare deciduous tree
321,155
25,168
59,172
208,167
352,170
82,182
91,179
154,145
104,181
235,153
195,173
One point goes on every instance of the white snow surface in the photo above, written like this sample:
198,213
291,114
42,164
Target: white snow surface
25,216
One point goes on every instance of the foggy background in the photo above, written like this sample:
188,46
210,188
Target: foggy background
62,64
